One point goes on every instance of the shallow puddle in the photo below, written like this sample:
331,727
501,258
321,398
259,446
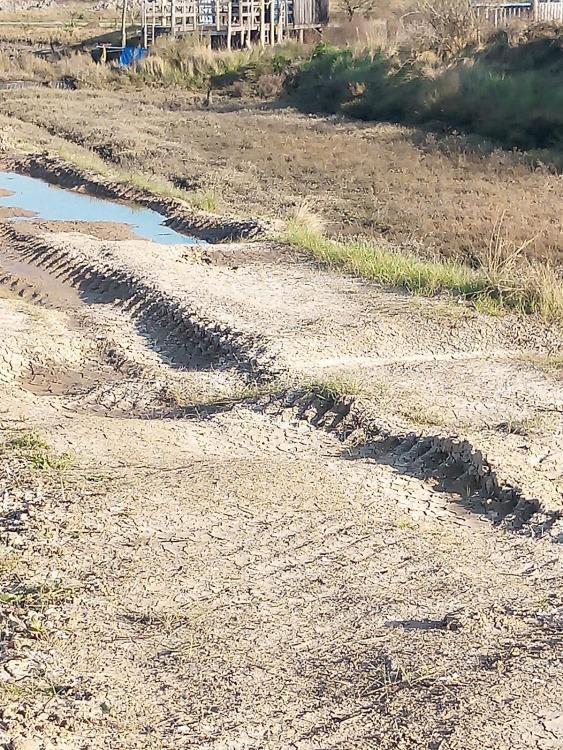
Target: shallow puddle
57,204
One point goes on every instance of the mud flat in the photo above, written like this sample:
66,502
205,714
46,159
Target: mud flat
251,503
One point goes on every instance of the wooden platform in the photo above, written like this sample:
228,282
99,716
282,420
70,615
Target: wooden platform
237,21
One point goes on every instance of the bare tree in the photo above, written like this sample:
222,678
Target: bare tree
453,23
351,7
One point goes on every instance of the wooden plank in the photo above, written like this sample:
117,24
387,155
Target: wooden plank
229,25
262,23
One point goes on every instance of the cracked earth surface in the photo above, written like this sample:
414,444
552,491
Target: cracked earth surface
183,568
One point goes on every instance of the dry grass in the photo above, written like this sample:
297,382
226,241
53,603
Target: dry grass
82,158
416,191
26,66
192,63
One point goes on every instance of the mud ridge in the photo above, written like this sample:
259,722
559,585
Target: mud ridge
68,84
454,464
190,339
178,215
185,337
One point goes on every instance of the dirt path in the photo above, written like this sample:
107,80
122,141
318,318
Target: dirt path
190,559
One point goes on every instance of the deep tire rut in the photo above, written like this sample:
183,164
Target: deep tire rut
454,465
187,339
184,337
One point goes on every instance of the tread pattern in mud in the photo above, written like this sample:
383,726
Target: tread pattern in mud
455,464
181,335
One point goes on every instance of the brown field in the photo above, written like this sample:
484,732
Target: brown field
384,181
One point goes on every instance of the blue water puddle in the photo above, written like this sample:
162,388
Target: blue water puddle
56,204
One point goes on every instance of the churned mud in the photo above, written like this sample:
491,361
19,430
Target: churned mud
249,503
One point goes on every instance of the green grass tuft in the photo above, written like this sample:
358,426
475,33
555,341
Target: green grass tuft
33,449
28,441
521,289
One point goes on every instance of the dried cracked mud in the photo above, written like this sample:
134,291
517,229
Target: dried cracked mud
204,545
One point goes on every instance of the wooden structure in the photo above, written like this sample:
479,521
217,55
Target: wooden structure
503,14
233,22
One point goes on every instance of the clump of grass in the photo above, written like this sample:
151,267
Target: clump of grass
335,387
151,184
28,441
45,460
83,159
421,415
205,201
534,423
494,289
308,219
91,162
37,596
33,449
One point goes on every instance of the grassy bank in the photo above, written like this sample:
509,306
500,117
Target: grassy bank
515,106
501,283
508,92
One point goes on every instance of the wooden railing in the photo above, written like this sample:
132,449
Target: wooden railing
549,11
503,14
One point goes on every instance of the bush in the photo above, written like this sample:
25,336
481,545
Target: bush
367,85
522,109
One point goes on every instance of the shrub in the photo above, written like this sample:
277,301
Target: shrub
523,109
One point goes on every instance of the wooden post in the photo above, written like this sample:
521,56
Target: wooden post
250,20
301,36
229,25
144,24
217,13
272,22
536,11
153,34
280,24
124,24
262,23
173,18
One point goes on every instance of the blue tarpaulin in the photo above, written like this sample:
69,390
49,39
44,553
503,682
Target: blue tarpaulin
132,55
